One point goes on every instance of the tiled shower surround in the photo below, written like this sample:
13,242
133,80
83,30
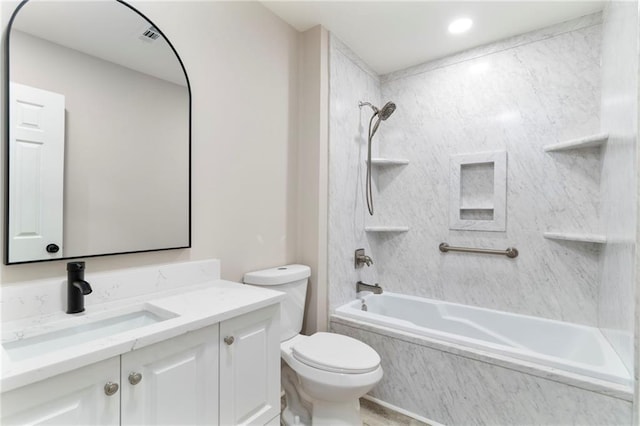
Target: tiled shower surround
619,118
518,96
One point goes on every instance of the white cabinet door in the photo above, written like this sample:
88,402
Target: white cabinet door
178,382
74,398
250,368
36,157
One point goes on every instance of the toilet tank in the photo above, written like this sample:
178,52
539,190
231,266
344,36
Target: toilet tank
292,280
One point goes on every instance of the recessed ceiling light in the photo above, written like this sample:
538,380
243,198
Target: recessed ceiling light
460,25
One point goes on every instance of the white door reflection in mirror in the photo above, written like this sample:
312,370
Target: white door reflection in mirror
36,158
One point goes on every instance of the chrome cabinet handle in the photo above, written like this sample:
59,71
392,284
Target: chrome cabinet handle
135,378
111,388
229,340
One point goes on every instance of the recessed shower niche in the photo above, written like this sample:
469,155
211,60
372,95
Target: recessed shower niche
478,191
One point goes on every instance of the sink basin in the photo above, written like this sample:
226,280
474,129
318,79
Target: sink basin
83,332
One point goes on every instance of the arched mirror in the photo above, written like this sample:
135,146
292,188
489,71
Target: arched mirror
99,114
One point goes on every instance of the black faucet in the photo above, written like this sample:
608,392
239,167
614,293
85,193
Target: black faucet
77,287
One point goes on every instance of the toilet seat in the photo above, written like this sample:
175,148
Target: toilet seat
336,353
334,384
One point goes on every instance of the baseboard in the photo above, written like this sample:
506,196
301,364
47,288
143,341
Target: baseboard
402,411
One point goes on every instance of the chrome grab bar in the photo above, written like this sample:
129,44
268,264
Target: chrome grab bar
510,252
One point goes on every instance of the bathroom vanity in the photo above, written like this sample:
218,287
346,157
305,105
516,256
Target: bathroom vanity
183,348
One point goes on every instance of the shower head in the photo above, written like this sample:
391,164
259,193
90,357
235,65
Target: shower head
386,110
383,113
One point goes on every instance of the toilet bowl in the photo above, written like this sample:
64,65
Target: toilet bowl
325,374
333,372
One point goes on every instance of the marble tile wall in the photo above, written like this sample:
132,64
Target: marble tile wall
517,95
619,118
456,390
351,81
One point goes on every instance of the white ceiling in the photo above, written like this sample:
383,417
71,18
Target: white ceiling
393,35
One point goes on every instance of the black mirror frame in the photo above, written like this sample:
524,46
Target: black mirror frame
5,145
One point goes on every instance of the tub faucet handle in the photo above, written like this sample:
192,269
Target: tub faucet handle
362,259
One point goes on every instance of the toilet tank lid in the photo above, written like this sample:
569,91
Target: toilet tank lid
279,275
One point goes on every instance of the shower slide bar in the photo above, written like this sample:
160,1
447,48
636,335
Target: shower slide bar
511,252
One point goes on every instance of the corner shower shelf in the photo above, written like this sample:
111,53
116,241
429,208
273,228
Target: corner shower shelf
595,140
584,142
386,228
389,162
578,237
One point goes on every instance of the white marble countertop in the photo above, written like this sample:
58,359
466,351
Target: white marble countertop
194,307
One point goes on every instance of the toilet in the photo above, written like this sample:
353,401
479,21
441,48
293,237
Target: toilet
325,374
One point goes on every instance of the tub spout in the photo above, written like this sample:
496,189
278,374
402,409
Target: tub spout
360,286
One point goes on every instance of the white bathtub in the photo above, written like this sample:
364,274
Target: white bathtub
569,347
